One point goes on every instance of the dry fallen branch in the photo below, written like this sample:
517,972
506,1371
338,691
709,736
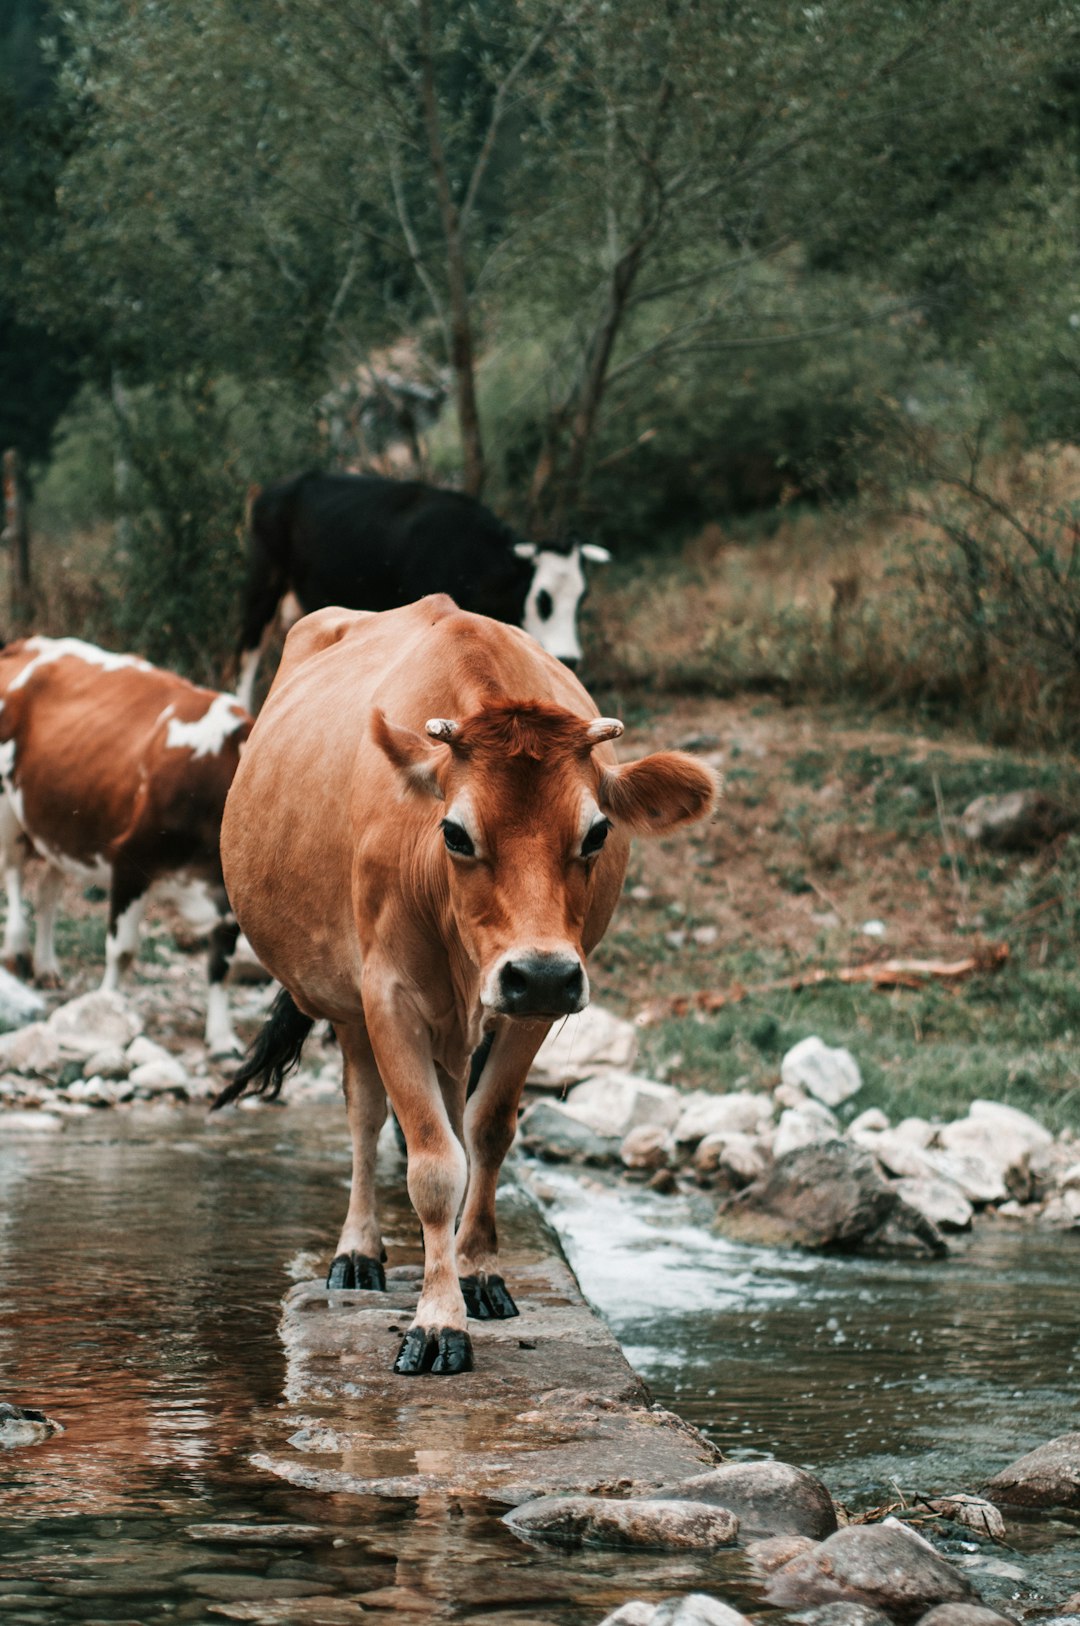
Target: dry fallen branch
879,974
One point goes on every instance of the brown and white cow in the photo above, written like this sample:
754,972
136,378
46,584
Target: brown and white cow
426,836
114,771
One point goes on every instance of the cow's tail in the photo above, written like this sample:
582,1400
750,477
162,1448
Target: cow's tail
272,1055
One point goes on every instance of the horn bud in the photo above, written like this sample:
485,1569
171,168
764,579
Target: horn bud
441,728
604,728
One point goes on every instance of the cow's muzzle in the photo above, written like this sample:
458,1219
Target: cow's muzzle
539,985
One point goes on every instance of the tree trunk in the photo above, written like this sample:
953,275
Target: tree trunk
16,538
462,353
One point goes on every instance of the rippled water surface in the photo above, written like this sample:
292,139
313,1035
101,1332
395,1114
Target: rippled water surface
142,1260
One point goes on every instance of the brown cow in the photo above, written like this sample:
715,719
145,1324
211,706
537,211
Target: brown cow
426,836
114,771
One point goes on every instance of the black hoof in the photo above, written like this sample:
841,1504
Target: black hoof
443,1352
486,1298
357,1270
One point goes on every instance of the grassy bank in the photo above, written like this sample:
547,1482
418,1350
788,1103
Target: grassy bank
831,823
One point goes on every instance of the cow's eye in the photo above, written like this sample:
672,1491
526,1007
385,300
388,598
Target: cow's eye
545,604
457,839
595,838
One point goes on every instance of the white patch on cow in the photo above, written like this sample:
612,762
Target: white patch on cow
7,759
220,1038
552,603
94,871
290,611
48,650
208,734
121,943
192,897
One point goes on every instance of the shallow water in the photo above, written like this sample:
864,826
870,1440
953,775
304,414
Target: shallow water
142,1260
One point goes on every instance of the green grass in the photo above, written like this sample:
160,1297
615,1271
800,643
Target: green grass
1013,1036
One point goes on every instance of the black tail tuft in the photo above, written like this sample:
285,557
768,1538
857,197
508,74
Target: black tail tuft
274,1052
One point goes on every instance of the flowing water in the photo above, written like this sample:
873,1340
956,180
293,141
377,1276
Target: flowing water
142,1259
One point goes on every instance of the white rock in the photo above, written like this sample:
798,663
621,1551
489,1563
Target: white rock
18,1003
635,1613
743,1157
153,1076
697,1609
1010,1123
93,1021
578,1047
789,1095
141,1050
740,1113
980,1180
109,1062
828,1075
645,1147
1070,1180
803,1126
29,1123
33,1049
873,1120
915,1131
614,1103
940,1200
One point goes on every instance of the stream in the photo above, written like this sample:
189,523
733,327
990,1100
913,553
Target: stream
143,1256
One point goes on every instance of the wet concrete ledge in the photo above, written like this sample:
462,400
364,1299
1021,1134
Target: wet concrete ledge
552,1406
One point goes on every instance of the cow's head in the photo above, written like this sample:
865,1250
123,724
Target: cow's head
555,593
529,817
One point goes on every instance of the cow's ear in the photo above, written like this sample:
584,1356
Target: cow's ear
658,793
593,551
525,550
411,754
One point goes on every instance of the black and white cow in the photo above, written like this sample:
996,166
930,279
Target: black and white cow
369,543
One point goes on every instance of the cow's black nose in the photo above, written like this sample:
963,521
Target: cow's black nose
542,985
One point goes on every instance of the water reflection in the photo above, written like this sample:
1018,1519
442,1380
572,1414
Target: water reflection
142,1260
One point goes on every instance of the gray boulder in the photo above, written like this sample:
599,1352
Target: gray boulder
599,1521
829,1195
549,1132
1049,1476
770,1498
868,1564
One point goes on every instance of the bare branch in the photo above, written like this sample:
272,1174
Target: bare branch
412,244
498,112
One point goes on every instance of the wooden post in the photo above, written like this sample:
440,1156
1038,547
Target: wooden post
16,538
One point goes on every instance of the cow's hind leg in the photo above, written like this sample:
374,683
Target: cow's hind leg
358,1261
127,905
221,1040
490,1122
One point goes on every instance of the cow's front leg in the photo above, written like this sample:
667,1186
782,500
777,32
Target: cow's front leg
358,1261
221,1040
437,1340
490,1123
16,931
127,905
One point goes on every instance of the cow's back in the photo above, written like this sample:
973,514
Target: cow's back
96,743
375,543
